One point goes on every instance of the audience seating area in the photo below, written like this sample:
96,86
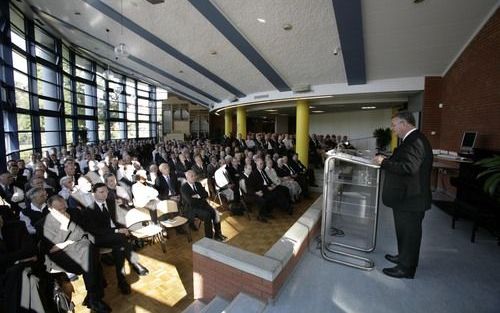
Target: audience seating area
121,195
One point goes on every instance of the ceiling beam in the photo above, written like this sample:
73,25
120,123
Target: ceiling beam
156,41
219,21
350,27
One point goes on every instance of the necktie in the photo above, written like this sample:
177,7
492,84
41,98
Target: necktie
194,188
105,211
8,193
290,169
267,181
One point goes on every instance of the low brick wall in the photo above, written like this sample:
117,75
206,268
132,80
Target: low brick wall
223,270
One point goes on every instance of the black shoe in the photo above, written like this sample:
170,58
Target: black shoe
392,258
96,305
290,210
399,272
269,216
220,237
261,219
124,286
193,226
139,269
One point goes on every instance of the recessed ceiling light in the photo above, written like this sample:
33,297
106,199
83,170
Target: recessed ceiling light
181,71
213,52
77,13
312,107
318,111
287,26
368,108
418,1
261,20
271,110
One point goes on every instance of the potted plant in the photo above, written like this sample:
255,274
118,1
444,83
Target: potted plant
383,136
491,175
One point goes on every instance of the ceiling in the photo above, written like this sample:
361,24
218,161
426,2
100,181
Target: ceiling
221,52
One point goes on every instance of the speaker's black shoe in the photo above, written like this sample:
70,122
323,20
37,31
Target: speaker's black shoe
193,226
392,258
399,272
139,269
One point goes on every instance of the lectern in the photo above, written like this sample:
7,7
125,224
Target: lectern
350,209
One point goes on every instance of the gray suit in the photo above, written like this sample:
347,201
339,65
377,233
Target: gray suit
80,257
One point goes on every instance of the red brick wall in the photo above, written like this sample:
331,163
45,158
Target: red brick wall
431,113
470,92
212,278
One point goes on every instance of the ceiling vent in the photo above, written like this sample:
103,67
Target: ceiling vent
301,88
155,1
261,96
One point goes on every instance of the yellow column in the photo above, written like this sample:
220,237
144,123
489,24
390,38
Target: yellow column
241,122
302,132
394,138
228,122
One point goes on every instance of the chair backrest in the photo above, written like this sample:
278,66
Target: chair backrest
167,206
135,216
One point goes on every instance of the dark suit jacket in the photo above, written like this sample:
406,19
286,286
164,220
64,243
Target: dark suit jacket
180,168
407,175
255,183
201,173
187,195
96,222
164,189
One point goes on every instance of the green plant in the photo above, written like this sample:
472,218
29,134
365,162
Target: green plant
383,136
491,173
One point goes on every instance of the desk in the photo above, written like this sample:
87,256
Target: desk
442,170
452,158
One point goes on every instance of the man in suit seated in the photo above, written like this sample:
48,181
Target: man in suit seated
252,196
195,198
99,223
36,210
69,248
260,184
167,184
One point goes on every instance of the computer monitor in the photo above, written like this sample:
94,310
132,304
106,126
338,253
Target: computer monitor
468,141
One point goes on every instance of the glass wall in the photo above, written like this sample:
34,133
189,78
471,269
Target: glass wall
52,96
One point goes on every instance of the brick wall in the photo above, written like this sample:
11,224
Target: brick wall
470,92
211,278
431,116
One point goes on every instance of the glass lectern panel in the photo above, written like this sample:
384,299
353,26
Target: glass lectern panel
350,204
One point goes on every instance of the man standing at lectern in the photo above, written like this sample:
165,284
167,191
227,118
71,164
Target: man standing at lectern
407,191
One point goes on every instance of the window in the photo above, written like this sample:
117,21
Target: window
49,102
